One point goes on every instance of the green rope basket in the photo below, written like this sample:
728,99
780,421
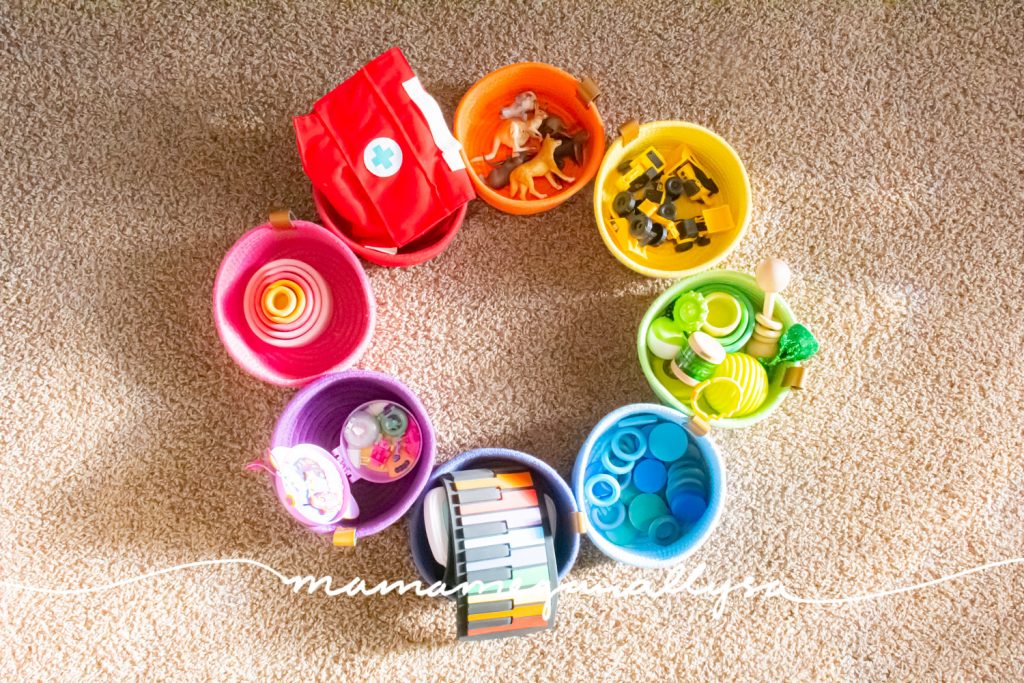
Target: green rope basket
746,284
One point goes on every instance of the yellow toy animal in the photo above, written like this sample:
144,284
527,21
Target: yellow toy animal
521,178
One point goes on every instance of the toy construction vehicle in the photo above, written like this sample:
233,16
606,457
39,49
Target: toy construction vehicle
645,206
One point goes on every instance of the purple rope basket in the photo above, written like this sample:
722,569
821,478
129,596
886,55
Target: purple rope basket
547,480
316,415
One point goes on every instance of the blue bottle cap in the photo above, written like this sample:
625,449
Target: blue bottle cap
685,485
646,508
687,470
629,493
668,442
649,475
688,507
622,535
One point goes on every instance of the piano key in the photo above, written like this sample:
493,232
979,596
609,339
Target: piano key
479,495
520,557
486,530
492,606
492,623
534,610
516,538
516,624
488,552
510,500
504,480
489,575
528,578
470,475
538,592
514,519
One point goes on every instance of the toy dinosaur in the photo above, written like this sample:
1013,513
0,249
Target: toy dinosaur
521,178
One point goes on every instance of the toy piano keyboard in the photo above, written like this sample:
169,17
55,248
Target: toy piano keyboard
493,533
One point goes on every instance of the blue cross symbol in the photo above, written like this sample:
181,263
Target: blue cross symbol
382,157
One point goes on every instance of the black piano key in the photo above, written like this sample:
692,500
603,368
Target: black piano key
486,576
488,552
479,495
464,475
488,623
486,529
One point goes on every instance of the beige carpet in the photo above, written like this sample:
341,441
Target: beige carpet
884,145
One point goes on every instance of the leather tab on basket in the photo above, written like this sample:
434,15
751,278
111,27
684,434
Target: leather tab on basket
580,522
794,377
344,537
281,219
698,426
629,131
588,91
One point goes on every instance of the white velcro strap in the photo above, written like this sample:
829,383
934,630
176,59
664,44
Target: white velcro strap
443,138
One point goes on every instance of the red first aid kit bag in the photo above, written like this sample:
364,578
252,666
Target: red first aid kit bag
378,148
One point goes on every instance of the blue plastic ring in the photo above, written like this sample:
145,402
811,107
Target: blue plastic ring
600,516
606,460
625,478
629,456
592,496
667,520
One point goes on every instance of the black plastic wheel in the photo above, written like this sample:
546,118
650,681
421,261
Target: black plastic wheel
658,235
667,211
623,204
703,241
684,246
674,187
690,187
640,227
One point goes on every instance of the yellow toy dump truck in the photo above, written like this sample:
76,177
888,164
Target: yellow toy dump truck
645,207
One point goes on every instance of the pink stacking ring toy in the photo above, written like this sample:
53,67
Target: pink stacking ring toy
291,302
307,454
298,296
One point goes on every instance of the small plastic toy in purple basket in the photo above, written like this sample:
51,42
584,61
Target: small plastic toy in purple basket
350,454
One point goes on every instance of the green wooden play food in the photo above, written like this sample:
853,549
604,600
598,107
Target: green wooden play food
746,284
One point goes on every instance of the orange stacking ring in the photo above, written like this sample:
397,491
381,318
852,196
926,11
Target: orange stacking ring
479,114
283,301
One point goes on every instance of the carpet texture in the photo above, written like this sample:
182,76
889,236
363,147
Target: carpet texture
884,145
